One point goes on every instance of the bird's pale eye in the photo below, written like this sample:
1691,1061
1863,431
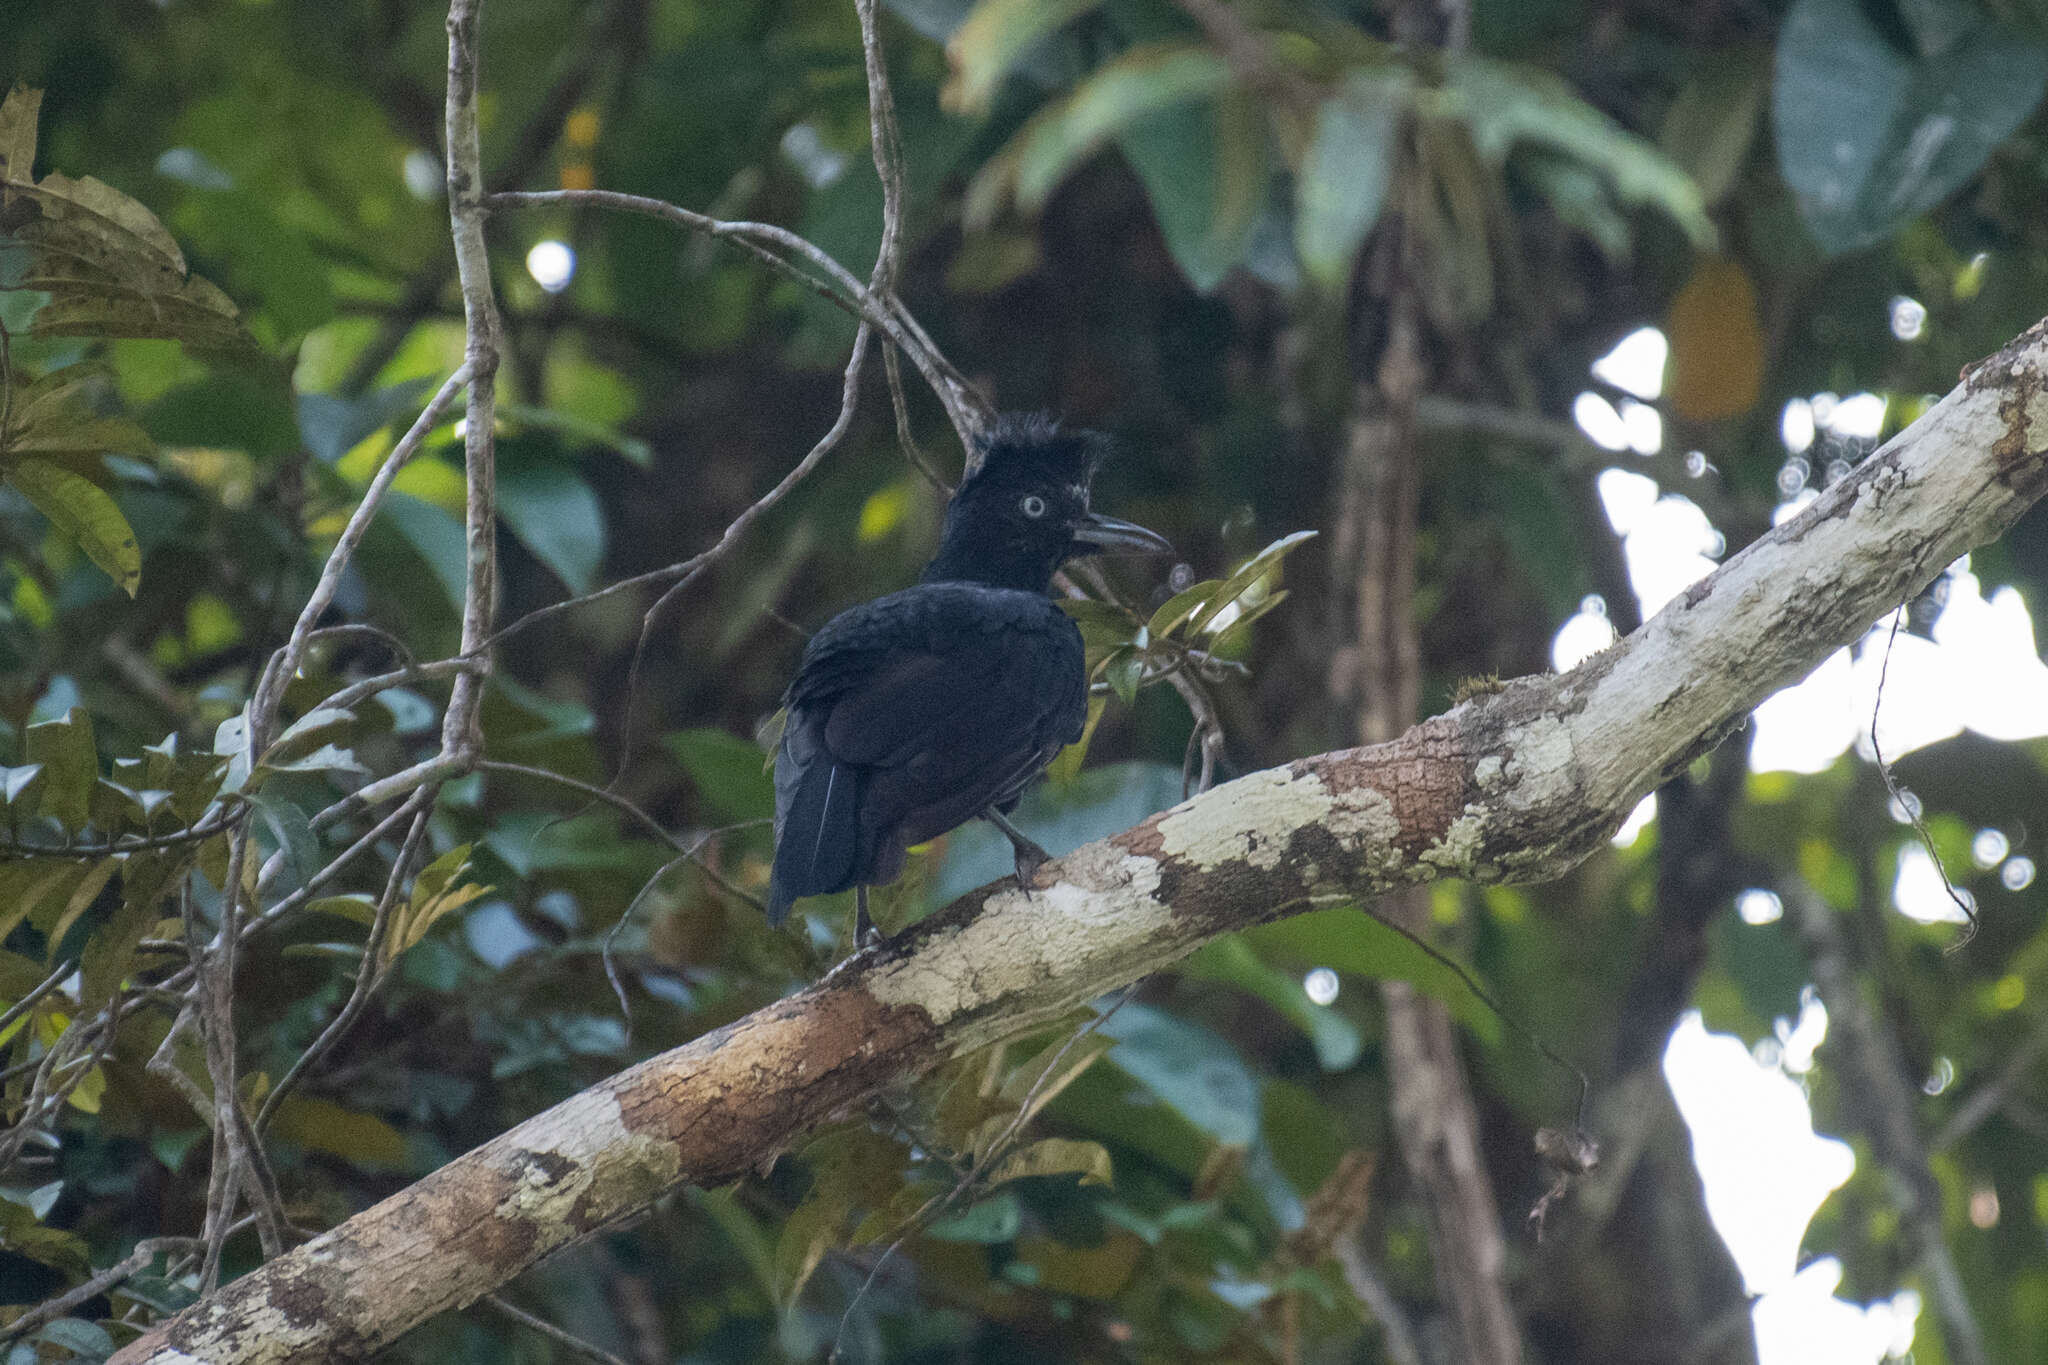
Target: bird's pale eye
1033,506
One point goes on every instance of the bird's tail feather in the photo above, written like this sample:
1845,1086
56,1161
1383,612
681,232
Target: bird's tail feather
820,837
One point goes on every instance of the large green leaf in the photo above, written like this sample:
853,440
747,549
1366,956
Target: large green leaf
436,536
1344,175
996,37
1711,125
551,509
109,267
53,418
726,770
1140,82
1247,574
1870,136
86,513
332,426
1506,105
1206,167
70,763
1197,1073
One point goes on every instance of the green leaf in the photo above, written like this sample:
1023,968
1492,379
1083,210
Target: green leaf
1123,670
852,1167
437,537
333,426
70,766
727,772
1506,105
1205,168
27,883
80,897
108,954
323,1126
356,907
308,732
582,430
22,1234
110,268
85,512
1712,123
991,1221
1190,1068
1870,137
1232,635
434,895
1067,765
54,418
741,1229
1105,628
1344,175
1181,606
1140,82
292,830
996,37
549,507
1248,573
20,787
81,1340
327,758
1055,1156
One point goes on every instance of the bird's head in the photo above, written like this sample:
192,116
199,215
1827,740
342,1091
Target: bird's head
1022,510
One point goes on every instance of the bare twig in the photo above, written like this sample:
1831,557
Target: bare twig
613,27
569,1341
1909,804
121,1271
594,792
460,735
263,707
966,408
1990,1097
41,989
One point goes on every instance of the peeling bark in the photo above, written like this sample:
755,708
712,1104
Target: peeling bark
1515,786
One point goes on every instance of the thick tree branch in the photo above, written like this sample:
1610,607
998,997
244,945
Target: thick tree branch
1516,786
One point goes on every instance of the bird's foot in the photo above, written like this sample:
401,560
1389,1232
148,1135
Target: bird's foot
867,934
1030,857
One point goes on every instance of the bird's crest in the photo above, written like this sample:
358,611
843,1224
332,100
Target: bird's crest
1032,449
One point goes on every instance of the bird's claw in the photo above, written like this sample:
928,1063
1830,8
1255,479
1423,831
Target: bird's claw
1030,857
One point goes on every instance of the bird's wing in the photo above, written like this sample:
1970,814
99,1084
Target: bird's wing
947,703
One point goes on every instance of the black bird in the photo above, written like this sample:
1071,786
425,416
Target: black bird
920,710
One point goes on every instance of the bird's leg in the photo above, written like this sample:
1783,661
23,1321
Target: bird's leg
865,934
1029,855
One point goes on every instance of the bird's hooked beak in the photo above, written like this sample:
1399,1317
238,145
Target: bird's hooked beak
1097,534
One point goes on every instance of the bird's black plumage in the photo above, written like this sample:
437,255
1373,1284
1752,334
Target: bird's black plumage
917,711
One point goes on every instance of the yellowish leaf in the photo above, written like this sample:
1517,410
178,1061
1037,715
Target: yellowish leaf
1717,344
85,512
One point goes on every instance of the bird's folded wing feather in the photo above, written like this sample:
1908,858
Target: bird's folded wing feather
955,693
